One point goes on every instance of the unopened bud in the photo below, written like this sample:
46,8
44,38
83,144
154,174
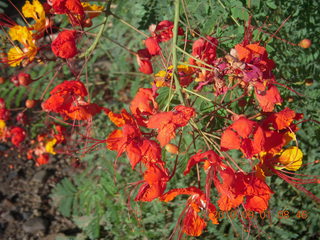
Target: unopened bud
305,43
171,148
24,79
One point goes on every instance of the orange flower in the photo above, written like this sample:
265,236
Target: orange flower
282,119
267,95
68,99
257,193
230,187
143,104
156,179
279,129
168,122
234,187
130,140
64,45
192,223
244,135
120,119
137,148
209,157
255,54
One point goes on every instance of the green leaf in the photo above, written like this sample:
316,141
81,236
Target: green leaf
240,13
271,4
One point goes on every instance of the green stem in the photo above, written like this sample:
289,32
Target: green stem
199,95
193,57
101,30
231,15
174,51
129,25
197,67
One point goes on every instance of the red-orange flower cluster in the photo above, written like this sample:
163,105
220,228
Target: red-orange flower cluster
67,99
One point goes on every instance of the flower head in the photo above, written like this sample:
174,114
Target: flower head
37,12
64,45
192,223
68,99
25,55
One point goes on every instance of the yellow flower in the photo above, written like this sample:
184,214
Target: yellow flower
16,55
291,159
2,125
184,71
2,128
50,146
35,11
92,10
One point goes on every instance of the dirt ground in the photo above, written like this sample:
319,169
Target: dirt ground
26,209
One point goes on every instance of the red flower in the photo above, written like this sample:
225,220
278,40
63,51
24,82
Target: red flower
144,103
267,96
205,50
17,135
67,7
282,119
255,54
163,31
168,122
64,45
156,179
230,187
4,113
236,186
209,157
131,141
42,159
59,133
192,223
68,98
73,8
244,135
143,59
152,45
257,193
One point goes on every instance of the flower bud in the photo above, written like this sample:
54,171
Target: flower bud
14,80
2,80
172,148
308,82
30,103
24,79
305,43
